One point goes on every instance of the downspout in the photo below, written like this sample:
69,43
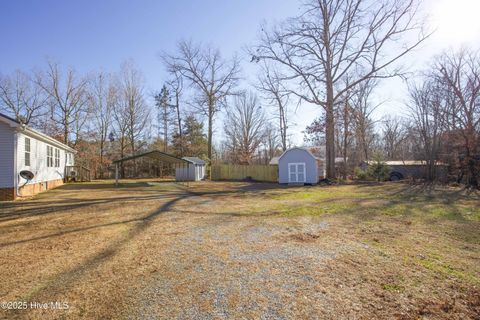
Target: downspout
15,164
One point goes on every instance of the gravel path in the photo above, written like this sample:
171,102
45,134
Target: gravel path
239,267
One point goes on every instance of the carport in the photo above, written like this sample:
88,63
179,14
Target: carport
156,155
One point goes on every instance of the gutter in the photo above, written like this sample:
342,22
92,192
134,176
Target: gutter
15,165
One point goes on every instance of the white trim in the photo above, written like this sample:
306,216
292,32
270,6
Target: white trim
298,148
296,172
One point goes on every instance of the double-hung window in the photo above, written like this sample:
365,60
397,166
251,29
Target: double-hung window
49,156
57,158
27,152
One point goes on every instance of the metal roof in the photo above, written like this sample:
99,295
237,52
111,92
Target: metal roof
407,163
194,160
274,161
155,154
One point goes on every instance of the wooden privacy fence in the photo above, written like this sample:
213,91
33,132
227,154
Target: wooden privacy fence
242,172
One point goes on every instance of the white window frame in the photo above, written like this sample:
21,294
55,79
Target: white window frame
28,152
49,156
57,158
291,164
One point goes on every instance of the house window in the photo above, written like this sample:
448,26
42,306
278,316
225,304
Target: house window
27,152
68,159
57,158
49,156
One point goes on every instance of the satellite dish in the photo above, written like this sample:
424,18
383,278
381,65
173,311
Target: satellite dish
26,174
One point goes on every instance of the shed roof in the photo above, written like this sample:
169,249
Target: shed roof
155,154
299,148
195,160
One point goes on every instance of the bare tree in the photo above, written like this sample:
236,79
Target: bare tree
67,99
245,128
459,73
132,99
393,134
362,118
102,97
427,112
270,84
176,88
22,97
213,78
334,39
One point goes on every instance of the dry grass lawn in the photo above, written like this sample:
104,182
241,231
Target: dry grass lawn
238,250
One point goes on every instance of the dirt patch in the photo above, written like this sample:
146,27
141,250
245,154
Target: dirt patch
304,237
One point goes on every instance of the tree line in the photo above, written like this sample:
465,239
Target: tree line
332,56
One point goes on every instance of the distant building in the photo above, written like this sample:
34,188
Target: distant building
300,155
24,150
410,169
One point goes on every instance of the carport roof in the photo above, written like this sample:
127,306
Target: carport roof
155,154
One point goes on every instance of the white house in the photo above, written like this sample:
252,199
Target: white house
25,149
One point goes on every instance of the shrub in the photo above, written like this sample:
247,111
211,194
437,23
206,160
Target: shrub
361,174
378,169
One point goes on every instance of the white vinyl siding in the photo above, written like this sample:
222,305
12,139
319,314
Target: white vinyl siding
7,156
39,160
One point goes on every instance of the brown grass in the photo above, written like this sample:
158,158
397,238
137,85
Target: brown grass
238,250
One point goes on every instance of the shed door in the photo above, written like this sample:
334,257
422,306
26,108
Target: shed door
296,172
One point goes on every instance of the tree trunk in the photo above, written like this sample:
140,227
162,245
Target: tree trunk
210,129
179,119
330,133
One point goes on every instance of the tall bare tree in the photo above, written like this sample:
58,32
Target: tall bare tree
334,39
459,73
102,97
427,112
362,118
270,84
245,128
212,77
67,99
394,133
133,101
21,97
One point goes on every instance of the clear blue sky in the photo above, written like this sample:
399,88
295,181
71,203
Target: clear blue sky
92,35
101,34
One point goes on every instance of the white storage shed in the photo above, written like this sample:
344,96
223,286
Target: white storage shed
299,166
195,171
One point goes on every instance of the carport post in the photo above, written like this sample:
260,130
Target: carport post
116,174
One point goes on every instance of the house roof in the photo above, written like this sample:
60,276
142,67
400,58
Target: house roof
155,154
34,133
195,160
